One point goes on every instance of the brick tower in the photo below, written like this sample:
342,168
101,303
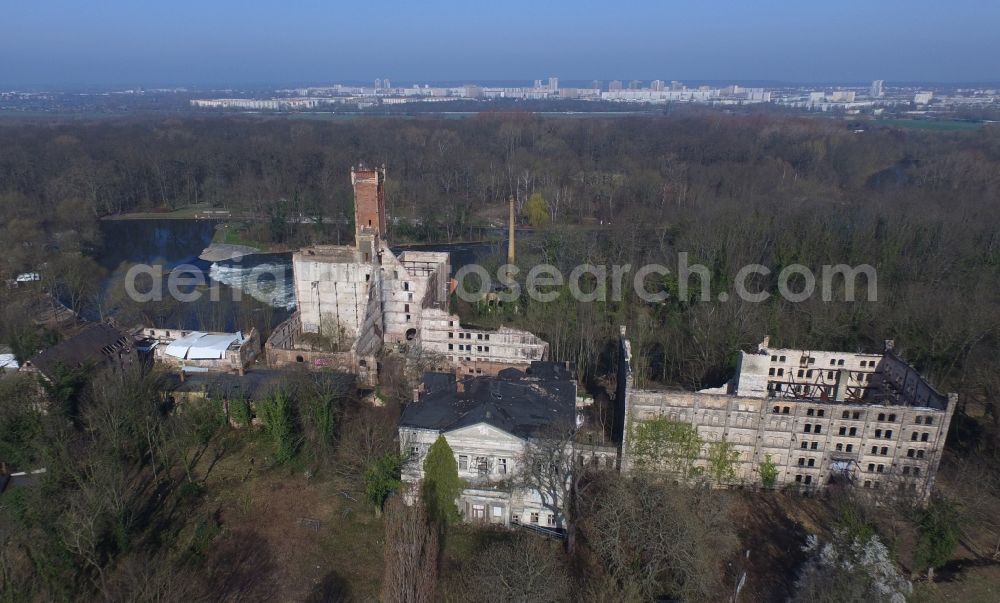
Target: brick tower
369,201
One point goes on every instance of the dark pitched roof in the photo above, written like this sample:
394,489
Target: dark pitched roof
522,403
92,346
254,385
20,479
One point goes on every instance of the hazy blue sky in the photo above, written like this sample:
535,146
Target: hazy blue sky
229,41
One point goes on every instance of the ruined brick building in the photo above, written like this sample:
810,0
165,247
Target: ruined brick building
365,297
95,346
197,351
819,417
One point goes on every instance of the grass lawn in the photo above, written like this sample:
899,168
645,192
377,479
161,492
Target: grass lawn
973,585
241,233
283,536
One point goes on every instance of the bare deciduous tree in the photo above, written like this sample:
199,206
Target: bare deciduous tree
555,465
523,568
367,434
659,539
411,554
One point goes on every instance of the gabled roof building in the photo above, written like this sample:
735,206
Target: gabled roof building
96,346
488,422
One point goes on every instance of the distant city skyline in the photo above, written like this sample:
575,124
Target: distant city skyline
62,43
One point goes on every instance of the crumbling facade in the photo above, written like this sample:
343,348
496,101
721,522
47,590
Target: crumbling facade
352,300
818,417
286,347
369,201
476,351
338,294
96,346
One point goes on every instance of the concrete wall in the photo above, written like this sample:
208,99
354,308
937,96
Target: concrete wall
283,336
487,351
411,283
332,283
861,437
371,335
908,383
789,372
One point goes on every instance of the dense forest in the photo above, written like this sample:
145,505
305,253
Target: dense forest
921,207
145,502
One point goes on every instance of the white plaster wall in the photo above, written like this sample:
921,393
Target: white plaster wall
480,440
504,345
755,371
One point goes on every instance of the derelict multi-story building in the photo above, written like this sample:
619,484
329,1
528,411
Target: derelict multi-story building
364,296
819,417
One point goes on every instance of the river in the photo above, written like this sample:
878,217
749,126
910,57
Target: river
259,283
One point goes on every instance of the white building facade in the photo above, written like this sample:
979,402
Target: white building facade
489,424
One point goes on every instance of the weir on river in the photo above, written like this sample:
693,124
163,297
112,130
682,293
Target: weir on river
173,245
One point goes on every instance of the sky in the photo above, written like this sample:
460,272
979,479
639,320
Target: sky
230,42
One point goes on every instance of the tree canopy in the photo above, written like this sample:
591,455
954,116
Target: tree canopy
441,485
536,210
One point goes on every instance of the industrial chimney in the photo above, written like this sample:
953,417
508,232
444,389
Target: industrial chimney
510,235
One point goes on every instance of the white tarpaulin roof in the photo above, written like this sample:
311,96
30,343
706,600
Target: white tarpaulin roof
7,361
203,346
